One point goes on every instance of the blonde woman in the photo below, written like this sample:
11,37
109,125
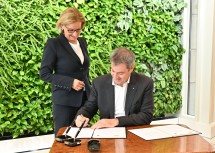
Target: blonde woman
65,64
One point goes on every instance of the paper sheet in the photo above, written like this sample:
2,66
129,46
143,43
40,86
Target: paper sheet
116,132
165,131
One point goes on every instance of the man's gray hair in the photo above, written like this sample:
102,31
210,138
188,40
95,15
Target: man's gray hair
122,56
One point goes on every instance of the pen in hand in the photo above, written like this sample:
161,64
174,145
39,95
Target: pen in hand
79,130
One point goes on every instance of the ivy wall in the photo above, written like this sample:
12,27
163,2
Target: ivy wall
150,28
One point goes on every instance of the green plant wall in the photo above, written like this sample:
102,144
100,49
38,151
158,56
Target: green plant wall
150,28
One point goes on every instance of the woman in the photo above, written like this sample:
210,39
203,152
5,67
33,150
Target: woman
65,64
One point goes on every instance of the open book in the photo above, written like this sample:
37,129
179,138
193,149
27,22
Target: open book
160,132
116,132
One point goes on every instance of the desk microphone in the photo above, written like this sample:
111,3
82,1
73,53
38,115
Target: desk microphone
73,141
62,138
93,145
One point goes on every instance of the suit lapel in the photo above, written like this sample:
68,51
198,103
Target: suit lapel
110,92
84,50
131,90
68,48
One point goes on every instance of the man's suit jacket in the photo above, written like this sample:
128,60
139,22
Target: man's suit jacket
60,66
139,103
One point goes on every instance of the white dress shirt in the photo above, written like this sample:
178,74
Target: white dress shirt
120,98
78,51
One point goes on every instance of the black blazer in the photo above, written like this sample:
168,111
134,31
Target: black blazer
60,66
139,103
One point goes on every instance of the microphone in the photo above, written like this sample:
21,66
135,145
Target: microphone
73,141
93,144
62,138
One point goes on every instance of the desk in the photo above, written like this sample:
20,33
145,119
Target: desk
135,144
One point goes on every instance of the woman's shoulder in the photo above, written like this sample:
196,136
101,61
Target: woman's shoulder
56,40
53,39
82,40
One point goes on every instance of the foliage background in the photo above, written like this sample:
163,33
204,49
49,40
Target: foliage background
150,28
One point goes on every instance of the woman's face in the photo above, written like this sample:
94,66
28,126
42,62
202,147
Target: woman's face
72,31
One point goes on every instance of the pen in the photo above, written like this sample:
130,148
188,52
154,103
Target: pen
79,130
69,128
93,133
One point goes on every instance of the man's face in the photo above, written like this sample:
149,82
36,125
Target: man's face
120,73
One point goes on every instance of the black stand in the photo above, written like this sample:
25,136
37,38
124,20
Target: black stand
72,142
62,138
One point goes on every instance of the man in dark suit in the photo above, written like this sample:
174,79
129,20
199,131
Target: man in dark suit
123,97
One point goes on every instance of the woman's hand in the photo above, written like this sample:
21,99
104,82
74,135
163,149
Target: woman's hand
78,85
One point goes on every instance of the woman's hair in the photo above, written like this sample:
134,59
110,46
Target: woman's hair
122,56
68,16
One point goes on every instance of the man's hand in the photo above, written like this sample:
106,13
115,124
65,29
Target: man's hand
80,119
105,123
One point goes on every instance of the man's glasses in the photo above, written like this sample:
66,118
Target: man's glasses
73,30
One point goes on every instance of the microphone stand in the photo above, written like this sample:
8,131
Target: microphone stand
67,131
93,144
73,141
62,138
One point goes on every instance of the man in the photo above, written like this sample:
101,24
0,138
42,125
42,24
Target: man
123,97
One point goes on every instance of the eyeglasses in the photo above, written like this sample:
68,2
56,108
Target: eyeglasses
73,30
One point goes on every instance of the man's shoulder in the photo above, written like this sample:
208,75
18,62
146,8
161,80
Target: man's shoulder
140,76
